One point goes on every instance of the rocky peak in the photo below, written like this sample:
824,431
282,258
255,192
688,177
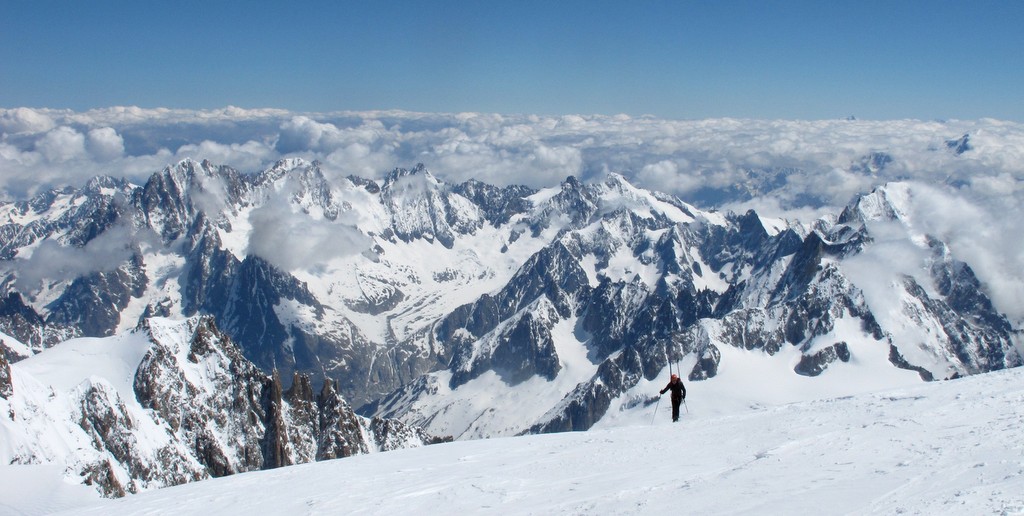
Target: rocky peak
420,170
337,429
423,207
367,184
960,145
106,184
276,446
618,182
572,207
888,202
170,199
196,408
283,166
872,163
44,200
498,205
22,322
957,283
302,182
301,389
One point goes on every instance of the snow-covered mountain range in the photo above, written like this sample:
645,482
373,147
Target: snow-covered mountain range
471,310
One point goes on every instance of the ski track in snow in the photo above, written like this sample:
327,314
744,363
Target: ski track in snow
954,447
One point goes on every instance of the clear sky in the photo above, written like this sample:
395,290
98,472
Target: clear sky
679,59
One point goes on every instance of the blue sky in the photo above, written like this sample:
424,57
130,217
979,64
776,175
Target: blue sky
681,59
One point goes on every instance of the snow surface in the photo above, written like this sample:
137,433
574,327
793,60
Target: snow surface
954,447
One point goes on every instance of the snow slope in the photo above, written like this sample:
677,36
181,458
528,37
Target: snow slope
954,447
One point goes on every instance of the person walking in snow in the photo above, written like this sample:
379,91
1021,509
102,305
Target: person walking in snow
678,395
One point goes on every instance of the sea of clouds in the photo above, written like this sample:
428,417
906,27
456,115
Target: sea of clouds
974,200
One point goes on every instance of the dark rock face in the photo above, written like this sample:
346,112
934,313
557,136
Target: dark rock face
813,365
243,297
525,348
528,351
6,387
208,270
227,401
23,323
588,402
707,366
104,417
498,205
93,304
336,426
171,199
960,145
275,440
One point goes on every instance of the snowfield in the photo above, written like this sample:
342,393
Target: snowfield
954,447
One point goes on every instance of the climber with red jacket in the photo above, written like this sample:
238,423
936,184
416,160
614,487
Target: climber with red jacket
678,395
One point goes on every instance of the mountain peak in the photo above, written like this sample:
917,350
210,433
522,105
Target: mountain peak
890,201
571,183
290,163
101,183
420,170
960,145
189,169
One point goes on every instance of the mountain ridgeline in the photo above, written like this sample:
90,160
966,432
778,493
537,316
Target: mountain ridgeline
172,402
403,293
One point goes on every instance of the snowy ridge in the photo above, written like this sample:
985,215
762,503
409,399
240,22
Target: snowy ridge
950,447
169,403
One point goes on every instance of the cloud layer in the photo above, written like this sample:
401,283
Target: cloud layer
42,147
781,168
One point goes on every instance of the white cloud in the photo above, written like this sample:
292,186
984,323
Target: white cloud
996,185
51,261
304,134
61,144
251,155
669,176
292,240
534,150
982,230
104,144
24,120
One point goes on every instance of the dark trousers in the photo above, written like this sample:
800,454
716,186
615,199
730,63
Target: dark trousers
675,408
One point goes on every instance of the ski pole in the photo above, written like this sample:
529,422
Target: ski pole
656,410
686,407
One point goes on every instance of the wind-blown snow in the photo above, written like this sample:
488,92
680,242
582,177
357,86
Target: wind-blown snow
937,448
